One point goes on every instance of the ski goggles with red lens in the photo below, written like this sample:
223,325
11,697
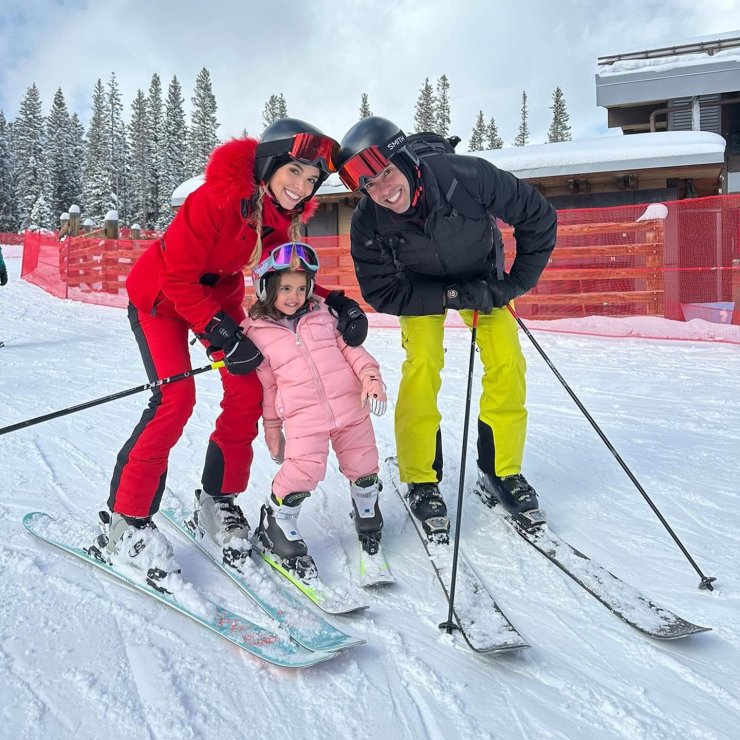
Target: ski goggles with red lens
313,149
280,258
370,162
357,170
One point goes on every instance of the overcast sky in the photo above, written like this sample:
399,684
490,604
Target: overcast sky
323,54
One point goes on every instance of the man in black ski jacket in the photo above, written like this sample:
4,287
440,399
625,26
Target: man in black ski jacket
424,240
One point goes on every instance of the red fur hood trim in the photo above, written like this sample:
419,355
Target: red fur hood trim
230,172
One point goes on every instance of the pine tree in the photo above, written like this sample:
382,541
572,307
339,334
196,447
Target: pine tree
28,142
140,162
77,161
275,109
493,140
97,174
443,106
116,135
203,124
478,137
175,133
156,152
522,138
8,212
559,129
63,188
365,111
424,119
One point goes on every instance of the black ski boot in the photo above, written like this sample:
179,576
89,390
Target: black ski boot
366,512
512,492
428,506
278,534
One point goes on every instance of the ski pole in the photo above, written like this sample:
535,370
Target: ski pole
706,582
449,625
112,397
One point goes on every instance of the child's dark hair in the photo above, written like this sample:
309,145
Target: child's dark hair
266,309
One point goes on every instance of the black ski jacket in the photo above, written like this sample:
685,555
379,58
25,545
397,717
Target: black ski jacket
403,264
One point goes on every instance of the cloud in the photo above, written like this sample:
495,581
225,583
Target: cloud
322,54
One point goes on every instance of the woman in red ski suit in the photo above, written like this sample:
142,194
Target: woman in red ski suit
254,197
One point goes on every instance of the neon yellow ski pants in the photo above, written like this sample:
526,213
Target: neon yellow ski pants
417,419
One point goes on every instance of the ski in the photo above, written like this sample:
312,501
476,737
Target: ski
69,535
302,624
621,599
335,601
374,569
484,627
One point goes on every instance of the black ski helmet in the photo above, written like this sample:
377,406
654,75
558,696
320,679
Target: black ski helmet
377,141
280,143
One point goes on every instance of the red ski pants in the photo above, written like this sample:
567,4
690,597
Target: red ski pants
141,468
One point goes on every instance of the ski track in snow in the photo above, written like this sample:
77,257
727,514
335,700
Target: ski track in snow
83,657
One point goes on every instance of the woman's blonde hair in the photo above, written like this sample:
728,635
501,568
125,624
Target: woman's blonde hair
255,221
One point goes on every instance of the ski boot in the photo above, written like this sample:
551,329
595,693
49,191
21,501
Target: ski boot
277,533
514,493
366,512
135,542
428,506
221,520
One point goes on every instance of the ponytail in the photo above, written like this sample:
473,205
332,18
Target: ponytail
255,221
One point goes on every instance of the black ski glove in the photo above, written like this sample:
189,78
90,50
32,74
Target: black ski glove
351,319
225,335
472,294
3,276
504,290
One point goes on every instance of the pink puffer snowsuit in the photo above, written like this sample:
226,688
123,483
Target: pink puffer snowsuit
310,378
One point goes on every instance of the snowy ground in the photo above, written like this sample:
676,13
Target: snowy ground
81,657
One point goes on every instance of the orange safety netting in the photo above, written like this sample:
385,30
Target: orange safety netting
606,263
9,237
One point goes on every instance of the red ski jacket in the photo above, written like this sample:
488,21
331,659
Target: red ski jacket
195,269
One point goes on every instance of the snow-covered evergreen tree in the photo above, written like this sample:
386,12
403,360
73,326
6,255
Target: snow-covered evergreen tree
365,111
63,187
140,161
41,217
493,140
275,108
97,174
442,126
175,134
425,118
522,138
28,142
8,210
157,162
77,161
478,137
116,134
203,124
559,127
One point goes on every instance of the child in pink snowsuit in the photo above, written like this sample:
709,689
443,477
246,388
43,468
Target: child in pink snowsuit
319,390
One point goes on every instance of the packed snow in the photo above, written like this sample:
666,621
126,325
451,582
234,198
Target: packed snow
83,657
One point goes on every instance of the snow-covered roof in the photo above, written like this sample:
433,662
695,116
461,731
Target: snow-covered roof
184,189
605,154
705,66
701,50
